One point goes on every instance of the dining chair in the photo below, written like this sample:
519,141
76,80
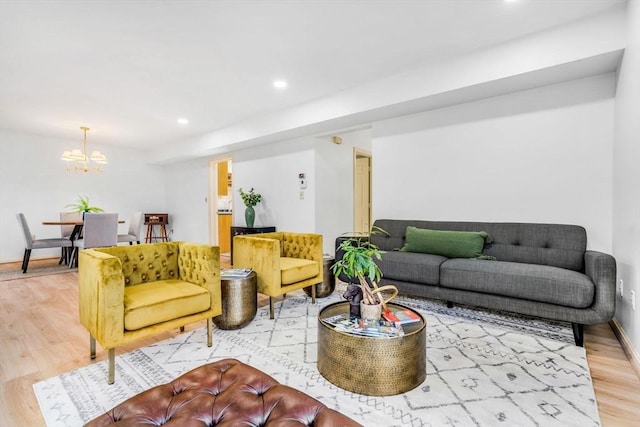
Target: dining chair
100,230
66,231
134,229
30,242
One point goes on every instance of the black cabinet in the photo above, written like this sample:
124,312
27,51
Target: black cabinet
237,231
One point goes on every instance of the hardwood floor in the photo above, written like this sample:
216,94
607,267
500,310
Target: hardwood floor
41,337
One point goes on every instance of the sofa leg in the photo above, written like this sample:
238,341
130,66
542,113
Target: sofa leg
271,308
449,304
578,333
92,347
181,329
112,366
209,327
313,293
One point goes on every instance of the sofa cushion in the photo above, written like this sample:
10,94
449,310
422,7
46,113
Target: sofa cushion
450,244
151,303
293,270
411,267
527,281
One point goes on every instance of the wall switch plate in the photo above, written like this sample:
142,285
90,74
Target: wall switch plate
633,300
620,288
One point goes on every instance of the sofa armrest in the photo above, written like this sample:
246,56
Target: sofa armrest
101,296
263,256
601,269
200,264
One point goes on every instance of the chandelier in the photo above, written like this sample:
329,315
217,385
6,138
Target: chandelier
79,161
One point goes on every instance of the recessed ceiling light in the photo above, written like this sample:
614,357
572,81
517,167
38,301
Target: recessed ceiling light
280,84
183,121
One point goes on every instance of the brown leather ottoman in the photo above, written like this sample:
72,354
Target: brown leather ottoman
224,393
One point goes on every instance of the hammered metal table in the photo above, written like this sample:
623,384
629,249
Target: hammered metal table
239,301
373,366
328,284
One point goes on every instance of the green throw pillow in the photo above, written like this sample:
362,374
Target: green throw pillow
450,244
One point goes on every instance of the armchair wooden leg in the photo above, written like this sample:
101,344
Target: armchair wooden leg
92,347
181,328
271,308
112,366
209,327
313,293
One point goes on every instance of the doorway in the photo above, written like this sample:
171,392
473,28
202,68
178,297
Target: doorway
222,214
362,191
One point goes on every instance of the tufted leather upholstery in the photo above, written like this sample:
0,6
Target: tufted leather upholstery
283,261
224,393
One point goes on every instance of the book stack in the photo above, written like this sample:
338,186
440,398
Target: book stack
234,273
369,328
401,317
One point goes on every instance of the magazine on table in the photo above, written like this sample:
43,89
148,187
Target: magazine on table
235,272
369,328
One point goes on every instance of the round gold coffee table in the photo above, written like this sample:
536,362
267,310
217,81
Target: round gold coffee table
239,301
373,366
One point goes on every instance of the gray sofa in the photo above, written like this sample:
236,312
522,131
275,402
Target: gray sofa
541,270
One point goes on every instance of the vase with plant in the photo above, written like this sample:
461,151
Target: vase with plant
358,262
82,206
250,199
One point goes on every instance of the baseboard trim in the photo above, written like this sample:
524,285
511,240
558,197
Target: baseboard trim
627,347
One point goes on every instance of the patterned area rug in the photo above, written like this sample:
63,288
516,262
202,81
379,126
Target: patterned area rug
483,369
35,272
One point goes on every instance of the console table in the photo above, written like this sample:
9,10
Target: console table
238,231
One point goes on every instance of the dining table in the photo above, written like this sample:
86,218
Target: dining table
75,234
77,226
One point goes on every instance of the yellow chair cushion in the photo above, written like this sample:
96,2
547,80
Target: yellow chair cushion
156,302
293,270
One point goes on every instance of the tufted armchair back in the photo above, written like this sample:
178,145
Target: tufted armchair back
283,261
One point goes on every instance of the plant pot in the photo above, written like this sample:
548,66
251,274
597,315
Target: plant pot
370,311
249,216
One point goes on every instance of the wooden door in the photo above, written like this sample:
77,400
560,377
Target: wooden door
362,193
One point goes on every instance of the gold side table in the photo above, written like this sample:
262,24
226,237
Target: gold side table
239,301
328,284
373,366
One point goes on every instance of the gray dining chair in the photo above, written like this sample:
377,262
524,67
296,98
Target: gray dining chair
99,230
69,231
30,242
134,229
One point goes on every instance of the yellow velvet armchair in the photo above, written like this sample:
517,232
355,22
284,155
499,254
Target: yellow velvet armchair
131,292
283,261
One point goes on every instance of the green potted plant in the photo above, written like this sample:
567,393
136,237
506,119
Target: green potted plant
82,206
358,262
250,199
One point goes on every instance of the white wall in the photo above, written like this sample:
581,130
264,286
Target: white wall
187,190
33,181
542,155
273,172
626,178
334,192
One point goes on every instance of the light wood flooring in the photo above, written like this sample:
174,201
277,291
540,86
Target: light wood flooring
41,337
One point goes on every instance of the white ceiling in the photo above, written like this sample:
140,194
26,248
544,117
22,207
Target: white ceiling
129,69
